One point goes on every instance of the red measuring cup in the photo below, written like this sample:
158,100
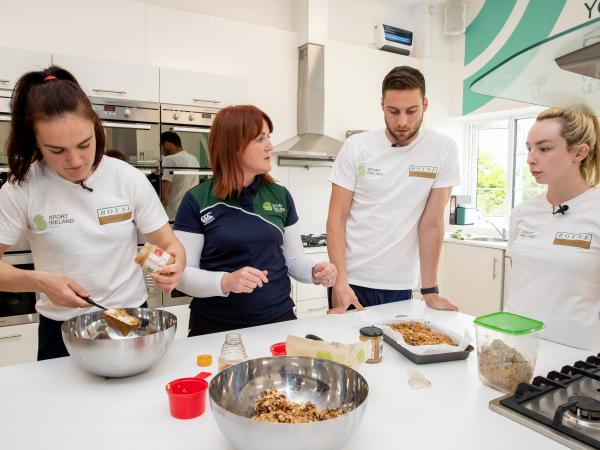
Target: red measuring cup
187,396
278,349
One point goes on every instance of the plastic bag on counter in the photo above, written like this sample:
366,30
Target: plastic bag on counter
351,355
461,339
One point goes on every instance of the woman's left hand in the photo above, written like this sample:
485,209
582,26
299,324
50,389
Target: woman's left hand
324,273
168,277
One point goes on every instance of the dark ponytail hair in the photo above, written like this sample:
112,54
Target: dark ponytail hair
41,95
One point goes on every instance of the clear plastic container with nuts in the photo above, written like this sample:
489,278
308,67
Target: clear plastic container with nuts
153,258
507,349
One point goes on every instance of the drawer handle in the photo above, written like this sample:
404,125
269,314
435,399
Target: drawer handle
110,91
320,308
4,81
202,100
11,336
494,268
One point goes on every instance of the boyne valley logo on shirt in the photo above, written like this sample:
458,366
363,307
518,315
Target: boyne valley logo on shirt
581,240
113,214
422,171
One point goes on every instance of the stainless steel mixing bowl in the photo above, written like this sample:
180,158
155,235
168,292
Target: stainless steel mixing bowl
100,349
327,384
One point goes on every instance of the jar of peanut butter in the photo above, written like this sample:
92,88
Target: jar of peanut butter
374,336
153,258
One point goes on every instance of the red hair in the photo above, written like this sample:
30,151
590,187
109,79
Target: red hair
233,129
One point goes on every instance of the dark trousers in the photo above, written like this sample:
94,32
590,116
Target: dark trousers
200,325
50,341
371,297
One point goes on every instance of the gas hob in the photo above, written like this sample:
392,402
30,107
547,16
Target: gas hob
565,405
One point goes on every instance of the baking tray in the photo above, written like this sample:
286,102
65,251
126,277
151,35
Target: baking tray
427,359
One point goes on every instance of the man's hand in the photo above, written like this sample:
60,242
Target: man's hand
436,301
244,280
61,290
342,297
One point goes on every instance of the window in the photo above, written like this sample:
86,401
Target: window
491,147
499,157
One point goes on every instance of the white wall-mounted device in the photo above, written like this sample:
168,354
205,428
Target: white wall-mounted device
455,19
393,39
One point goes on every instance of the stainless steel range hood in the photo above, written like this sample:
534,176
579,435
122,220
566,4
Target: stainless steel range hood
311,148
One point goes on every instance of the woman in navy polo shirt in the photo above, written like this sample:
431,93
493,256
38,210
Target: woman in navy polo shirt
241,234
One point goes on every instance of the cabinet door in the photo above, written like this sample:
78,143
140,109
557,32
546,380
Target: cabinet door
17,62
182,312
310,308
473,278
112,80
18,344
182,87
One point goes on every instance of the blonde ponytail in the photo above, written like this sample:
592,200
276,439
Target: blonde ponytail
580,126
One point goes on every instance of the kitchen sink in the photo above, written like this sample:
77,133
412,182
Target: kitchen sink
487,239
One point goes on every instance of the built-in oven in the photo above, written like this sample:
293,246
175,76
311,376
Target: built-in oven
18,307
4,131
133,129
192,125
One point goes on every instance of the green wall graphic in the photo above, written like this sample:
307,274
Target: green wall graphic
536,23
485,27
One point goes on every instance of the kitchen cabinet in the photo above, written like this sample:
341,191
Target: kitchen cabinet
473,277
108,79
18,344
182,312
183,87
15,63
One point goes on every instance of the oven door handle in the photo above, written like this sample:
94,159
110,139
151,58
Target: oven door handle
191,129
189,171
133,126
4,117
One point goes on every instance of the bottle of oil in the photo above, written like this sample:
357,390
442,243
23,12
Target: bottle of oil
232,352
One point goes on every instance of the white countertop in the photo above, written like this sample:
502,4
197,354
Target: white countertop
55,405
498,245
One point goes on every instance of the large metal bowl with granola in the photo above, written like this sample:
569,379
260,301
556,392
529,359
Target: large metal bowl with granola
289,402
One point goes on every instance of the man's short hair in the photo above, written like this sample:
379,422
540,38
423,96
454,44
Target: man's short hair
403,78
170,136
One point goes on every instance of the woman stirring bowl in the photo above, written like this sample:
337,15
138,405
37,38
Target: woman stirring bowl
79,211
241,234
554,239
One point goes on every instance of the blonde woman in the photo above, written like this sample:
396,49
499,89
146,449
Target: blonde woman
554,238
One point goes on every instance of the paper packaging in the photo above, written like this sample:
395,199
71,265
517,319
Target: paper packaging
463,340
351,355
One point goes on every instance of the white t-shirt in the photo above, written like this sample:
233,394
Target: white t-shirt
391,186
555,274
180,184
89,236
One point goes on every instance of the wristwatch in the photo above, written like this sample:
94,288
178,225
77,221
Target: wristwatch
431,290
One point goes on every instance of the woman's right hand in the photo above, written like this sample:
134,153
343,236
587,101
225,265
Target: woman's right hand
244,280
61,290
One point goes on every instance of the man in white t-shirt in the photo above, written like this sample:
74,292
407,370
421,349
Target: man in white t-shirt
174,186
389,191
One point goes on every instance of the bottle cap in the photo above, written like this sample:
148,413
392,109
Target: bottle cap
204,360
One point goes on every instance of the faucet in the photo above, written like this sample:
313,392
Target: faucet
501,232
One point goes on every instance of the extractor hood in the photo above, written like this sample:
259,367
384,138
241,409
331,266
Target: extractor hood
560,71
311,147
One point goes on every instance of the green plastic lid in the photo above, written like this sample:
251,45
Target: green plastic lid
509,323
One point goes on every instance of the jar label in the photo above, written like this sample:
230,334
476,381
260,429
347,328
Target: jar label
155,260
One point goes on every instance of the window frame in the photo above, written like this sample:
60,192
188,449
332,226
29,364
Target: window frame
472,138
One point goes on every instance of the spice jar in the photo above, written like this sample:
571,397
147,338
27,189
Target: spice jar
373,335
153,258
232,352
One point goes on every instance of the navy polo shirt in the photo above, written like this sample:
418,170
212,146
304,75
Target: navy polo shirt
243,231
